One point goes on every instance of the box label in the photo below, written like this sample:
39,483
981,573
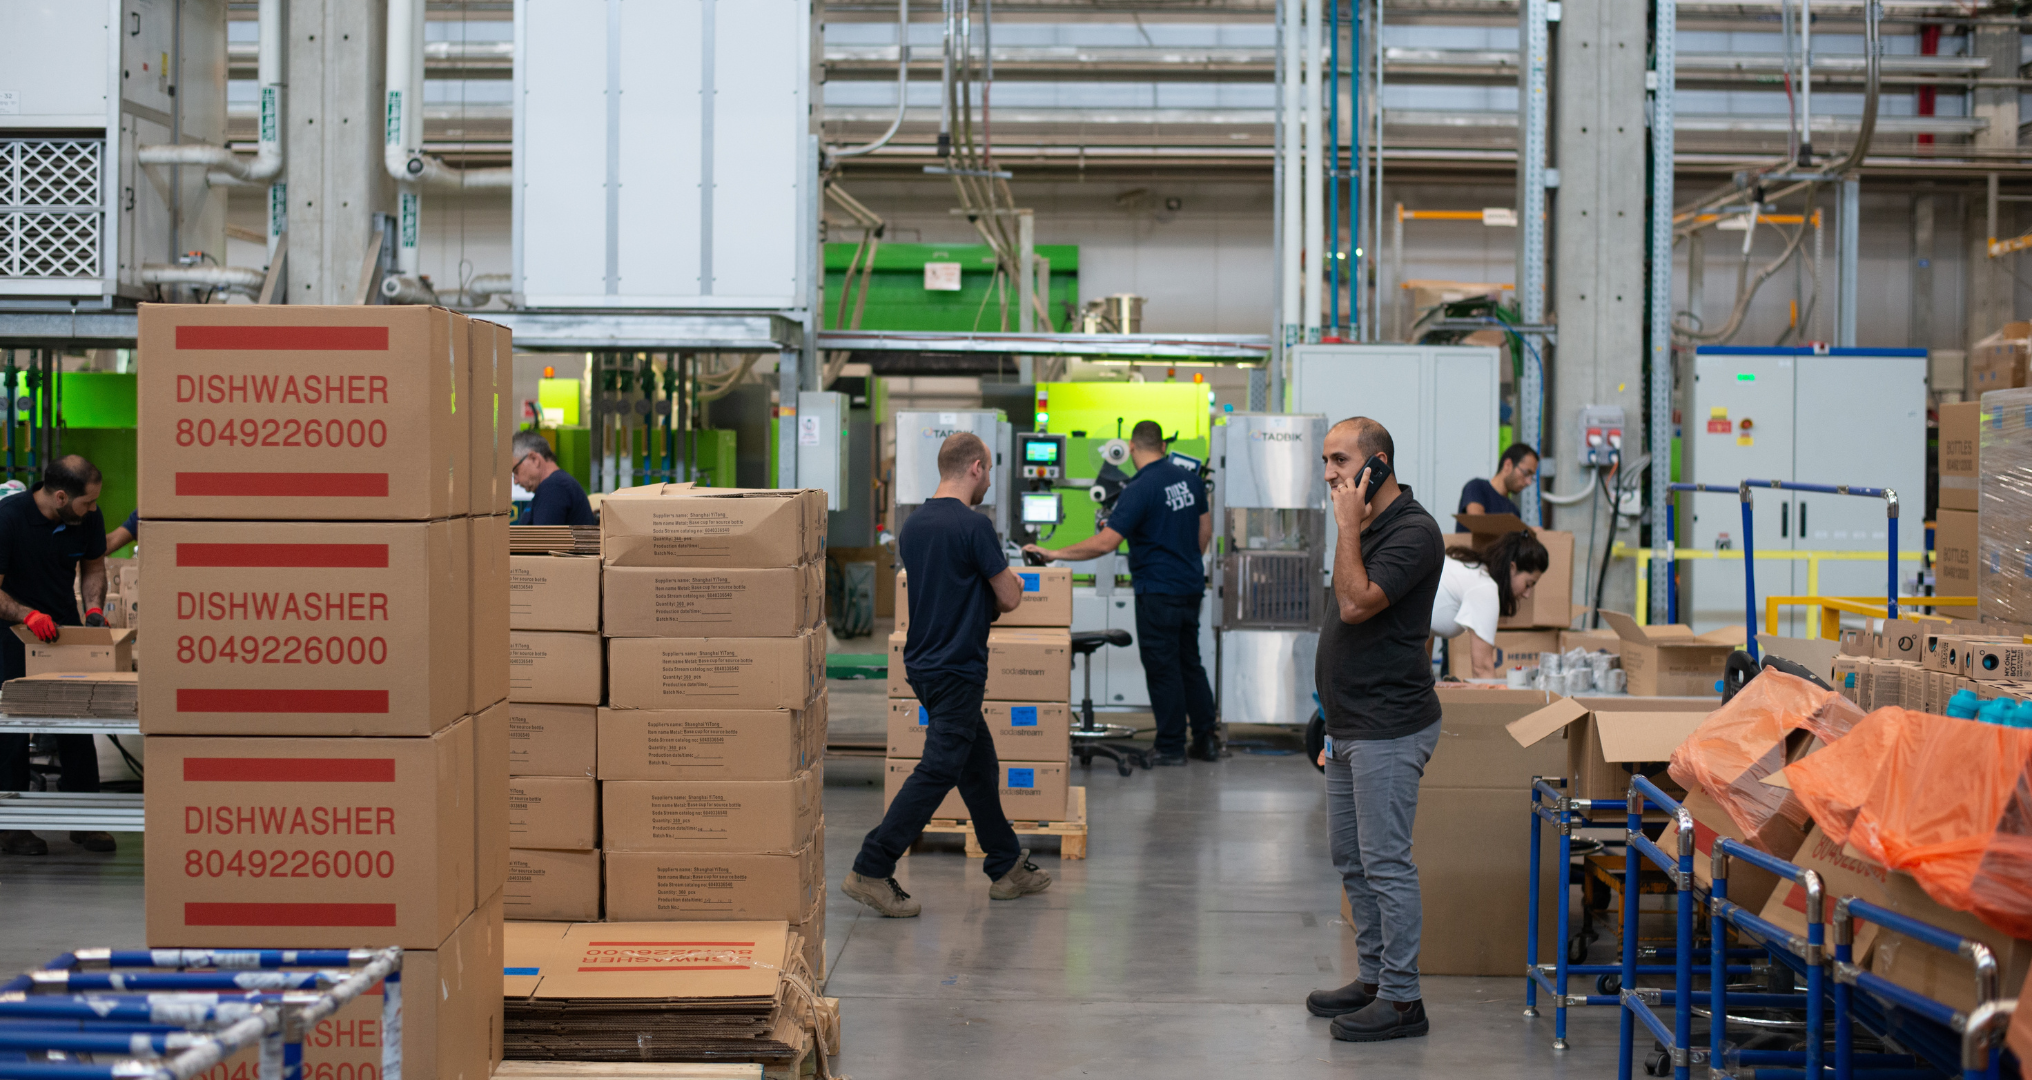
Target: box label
1019,716
1022,778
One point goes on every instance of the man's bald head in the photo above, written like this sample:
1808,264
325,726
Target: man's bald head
1371,438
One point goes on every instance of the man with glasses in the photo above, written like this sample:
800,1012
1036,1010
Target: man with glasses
559,500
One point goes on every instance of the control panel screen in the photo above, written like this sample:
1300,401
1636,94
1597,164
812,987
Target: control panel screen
1040,508
1040,451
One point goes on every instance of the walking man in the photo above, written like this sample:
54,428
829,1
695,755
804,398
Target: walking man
959,583
1382,723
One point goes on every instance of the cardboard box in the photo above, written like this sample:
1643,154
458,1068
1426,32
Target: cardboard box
1611,739
1671,661
1993,661
560,885
554,592
1749,886
649,886
560,813
1030,790
1023,665
712,815
307,628
77,649
1513,648
490,419
309,842
746,960
553,740
671,601
679,525
1961,447
302,413
1900,639
1943,976
1046,598
716,673
1843,871
491,736
708,744
452,1032
488,602
1998,362
554,667
1023,731
1551,600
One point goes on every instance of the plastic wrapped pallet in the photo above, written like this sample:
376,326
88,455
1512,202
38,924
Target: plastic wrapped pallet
2004,511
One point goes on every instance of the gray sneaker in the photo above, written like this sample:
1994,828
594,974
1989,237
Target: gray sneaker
883,894
1022,879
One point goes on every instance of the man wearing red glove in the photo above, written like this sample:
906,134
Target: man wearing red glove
51,536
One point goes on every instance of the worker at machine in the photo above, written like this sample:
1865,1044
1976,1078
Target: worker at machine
1517,470
960,582
1163,514
1477,588
559,498
1374,680
51,537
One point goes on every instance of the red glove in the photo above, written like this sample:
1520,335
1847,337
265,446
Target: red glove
41,625
95,617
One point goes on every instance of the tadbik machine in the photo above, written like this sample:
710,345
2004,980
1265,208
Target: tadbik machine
1270,582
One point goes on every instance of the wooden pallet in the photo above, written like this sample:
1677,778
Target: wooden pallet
1071,833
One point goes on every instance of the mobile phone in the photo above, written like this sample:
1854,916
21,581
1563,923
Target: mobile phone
1378,468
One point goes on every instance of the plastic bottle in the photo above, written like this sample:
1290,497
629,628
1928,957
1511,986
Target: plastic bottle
1998,711
1963,705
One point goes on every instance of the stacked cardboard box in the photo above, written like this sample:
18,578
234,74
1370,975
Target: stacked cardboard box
710,746
326,492
1541,617
554,693
1029,673
2004,507
1920,666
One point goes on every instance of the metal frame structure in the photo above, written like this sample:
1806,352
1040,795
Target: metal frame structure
1744,491
1658,350
107,811
160,1020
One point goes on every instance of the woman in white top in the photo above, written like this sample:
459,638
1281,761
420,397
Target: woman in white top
1476,588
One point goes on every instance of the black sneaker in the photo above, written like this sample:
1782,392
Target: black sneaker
101,842
1203,749
1380,1020
22,842
1167,759
1332,1003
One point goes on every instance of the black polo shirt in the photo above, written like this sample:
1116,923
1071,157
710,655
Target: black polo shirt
1375,678
39,565
951,554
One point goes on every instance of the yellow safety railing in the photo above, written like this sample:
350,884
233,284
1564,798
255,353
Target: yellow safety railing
1824,612
1813,560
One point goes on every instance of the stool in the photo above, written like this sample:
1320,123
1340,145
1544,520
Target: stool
1090,740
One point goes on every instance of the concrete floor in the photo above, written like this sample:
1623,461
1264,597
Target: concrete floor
1182,948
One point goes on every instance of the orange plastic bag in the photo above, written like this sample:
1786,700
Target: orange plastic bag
2002,889
1938,798
1738,745
1834,781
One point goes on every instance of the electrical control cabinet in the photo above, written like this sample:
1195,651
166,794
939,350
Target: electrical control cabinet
822,443
1846,416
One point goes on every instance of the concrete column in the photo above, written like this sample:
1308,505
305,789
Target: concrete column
1598,290
333,143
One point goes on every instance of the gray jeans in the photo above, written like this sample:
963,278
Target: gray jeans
1371,802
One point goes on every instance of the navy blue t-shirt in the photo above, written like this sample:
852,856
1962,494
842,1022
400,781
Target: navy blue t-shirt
1485,493
950,553
1158,514
559,500
39,562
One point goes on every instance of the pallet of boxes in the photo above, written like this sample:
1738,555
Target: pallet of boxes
1026,707
556,684
325,493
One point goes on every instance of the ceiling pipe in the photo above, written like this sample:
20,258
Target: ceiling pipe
402,143
237,279
1873,48
223,166
902,87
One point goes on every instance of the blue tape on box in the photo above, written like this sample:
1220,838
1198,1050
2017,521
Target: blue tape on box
1023,716
1022,778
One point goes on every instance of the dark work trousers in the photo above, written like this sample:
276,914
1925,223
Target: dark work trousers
75,754
1167,636
958,752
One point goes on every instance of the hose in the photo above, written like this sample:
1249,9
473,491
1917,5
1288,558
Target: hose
1745,292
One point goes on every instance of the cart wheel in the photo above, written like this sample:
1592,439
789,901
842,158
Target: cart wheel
1658,1063
1609,984
1576,949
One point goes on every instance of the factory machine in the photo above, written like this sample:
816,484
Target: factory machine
1269,577
918,437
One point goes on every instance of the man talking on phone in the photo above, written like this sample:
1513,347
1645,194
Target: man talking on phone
1374,680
